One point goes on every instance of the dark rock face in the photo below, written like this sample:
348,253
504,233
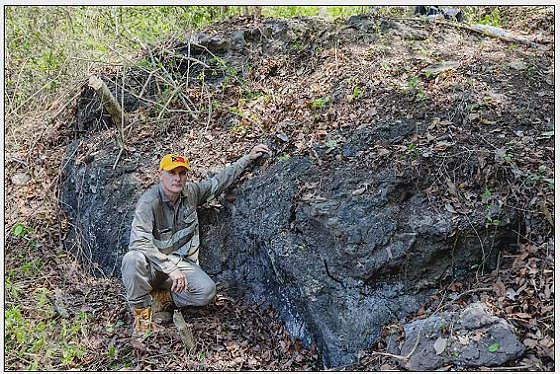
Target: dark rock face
100,202
478,339
339,250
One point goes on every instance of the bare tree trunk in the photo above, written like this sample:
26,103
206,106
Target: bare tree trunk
245,10
258,11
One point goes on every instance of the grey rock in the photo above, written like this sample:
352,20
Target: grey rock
213,43
238,40
362,22
477,339
20,179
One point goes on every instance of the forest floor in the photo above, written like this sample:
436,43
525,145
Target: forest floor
492,101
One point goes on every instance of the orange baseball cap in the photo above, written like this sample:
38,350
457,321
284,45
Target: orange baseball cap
172,160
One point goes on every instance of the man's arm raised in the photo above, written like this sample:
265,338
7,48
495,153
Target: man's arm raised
209,188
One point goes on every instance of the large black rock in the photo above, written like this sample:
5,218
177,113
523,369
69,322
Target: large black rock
339,249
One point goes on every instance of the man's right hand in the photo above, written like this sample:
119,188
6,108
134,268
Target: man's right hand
179,281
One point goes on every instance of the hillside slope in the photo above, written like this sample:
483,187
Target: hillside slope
478,144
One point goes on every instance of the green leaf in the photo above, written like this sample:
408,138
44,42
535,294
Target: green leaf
486,195
494,347
18,230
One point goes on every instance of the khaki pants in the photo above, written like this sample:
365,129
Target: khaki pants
140,277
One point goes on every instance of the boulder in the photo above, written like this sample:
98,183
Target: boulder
338,249
471,337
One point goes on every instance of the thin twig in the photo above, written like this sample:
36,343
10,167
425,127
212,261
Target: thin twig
151,101
169,81
146,83
400,357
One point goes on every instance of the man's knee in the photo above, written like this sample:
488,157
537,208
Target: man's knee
210,292
206,293
133,261
203,295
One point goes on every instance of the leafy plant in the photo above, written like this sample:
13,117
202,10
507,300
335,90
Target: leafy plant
238,128
20,230
413,82
250,95
289,11
486,195
494,347
201,77
492,18
357,92
421,95
492,222
319,103
411,148
112,351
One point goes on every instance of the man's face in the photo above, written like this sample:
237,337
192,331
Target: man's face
173,180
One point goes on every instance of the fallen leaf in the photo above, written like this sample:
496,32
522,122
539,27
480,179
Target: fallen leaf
441,146
440,345
530,343
383,152
522,315
494,347
547,341
282,136
451,186
449,208
359,191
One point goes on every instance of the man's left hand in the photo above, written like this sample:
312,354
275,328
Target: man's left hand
258,151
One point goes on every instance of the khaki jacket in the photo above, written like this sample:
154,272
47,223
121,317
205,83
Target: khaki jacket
160,229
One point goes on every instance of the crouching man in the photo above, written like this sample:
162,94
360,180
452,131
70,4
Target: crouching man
161,267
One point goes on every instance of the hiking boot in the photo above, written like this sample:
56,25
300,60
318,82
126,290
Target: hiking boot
162,305
142,321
